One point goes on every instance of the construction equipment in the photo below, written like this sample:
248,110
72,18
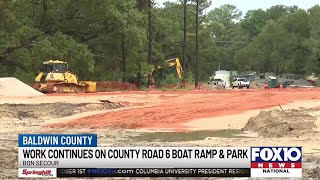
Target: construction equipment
56,78
150,76
174,62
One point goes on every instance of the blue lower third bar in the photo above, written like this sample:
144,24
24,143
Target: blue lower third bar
57,140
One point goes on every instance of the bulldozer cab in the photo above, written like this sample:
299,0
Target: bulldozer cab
55,66
52,67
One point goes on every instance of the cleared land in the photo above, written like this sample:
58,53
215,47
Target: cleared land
186,118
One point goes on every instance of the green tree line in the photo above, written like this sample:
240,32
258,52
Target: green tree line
124,40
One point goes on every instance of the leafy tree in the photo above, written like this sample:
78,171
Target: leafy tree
254,21
313,63
227,35
108,40
24,46
280,47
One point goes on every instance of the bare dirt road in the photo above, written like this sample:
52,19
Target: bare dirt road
126,119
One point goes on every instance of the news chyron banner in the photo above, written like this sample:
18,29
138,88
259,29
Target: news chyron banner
78,155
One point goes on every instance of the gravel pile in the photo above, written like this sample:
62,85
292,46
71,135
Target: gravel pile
301,83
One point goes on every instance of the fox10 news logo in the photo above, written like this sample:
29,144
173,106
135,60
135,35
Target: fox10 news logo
276,161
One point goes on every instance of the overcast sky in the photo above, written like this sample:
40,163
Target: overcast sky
245,5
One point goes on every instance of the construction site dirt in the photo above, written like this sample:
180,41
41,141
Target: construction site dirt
172,110
179,118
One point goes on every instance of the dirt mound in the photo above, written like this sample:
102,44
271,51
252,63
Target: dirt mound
219,87
203,86
301,83
103,86
256,85
312,173
99,106
51,110
11,86
180,85
8,114
215,87
276,123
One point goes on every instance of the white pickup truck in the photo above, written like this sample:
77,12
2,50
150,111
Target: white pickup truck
240,83
217,82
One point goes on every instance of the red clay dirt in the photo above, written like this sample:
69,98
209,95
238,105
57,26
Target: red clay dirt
103,86
172,111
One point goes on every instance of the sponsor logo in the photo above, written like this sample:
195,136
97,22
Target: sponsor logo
37,172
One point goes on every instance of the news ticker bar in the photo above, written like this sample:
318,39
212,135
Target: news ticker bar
157,172
153,172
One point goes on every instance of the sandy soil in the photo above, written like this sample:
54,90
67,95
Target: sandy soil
142,112
10,86
317,123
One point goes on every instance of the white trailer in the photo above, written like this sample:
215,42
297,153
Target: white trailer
223,75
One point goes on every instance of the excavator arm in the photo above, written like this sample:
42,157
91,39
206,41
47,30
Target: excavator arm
176,62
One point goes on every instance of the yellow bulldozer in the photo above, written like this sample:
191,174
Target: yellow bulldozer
56,78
